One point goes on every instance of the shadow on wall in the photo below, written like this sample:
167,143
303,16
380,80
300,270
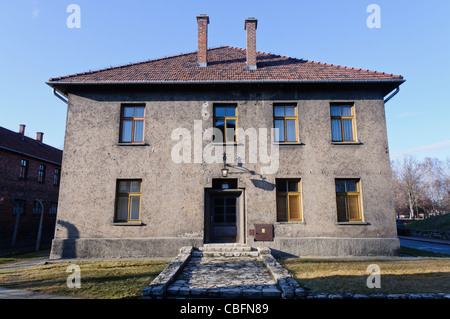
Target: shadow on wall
263,184
68,249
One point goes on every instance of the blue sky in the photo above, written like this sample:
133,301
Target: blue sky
413,40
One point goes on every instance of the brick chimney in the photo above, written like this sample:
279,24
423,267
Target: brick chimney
22,129
250,26
202,21
39,137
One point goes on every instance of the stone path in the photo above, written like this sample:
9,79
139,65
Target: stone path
224,271
227,277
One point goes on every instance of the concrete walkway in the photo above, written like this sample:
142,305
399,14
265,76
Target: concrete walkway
24,264
428,244
6,293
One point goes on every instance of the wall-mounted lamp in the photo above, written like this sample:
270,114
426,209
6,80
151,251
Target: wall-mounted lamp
224,172
224,169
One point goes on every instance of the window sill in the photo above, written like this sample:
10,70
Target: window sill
133,144
289,143
352,223
290,223
347,143
127,224
227,144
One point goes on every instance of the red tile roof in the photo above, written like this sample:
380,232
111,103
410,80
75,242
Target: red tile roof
16,142
225,64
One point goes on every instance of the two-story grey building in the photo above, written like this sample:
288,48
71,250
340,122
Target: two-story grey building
226,145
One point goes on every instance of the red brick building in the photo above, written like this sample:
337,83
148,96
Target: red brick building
29,187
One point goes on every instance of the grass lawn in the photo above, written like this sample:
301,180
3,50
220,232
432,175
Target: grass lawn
403,275
126,279
99,280
440,223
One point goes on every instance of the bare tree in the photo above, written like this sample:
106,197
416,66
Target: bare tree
400,197
446,182
421,186
434,184
408,177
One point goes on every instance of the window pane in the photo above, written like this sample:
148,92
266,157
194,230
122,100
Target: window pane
230,111
134,207
294,207
293,186
135,186
290,110
336,132
219,218
348,130
231,202
335,111
219,201
278,111
127,128
122,208
18,207
340,186
218,138
138,131
23,168
291,135
230,210
353,207
341,208
219,211
231,218
231,129
139,111
124,186
279,130
352,186
346,110
128,111
281,186
219,111
38,208
281,207
53,208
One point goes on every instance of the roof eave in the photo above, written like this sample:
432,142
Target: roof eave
65,87
52,83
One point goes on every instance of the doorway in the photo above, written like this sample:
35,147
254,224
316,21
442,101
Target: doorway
223,218
224,212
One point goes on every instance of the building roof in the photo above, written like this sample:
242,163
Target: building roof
225,64
16,142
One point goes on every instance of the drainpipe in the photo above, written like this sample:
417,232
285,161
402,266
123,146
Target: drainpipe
392,95
59,96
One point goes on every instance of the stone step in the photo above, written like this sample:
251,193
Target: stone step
214,253
225,250
225,247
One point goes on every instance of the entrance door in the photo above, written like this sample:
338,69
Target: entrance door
223,218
